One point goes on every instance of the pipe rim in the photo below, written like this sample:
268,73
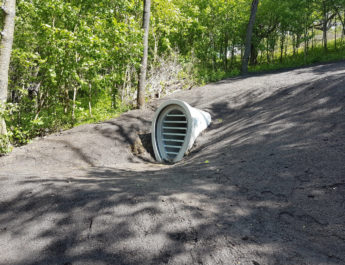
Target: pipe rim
181,105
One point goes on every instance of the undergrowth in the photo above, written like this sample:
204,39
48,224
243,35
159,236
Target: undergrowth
23,125
315,55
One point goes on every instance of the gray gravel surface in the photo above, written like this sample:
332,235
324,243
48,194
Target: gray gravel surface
265,184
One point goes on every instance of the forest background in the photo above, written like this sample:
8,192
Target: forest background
78,61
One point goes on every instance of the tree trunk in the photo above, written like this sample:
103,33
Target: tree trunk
232,54
343,33
9,9
286,46
324,26
253,55
260,57
90,100
143,68
298,42
226,44
343,29
66,98
74,104
335,33
312,41
342,21
213,54
267,50
249,35
306,44
282,42
155,50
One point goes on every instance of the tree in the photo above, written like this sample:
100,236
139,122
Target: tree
78,61
326,19
9,10
143,68
249,34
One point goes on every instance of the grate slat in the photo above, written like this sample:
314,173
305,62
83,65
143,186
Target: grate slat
173,140
173,146
174,131
170,121
174,134
172,153
174,128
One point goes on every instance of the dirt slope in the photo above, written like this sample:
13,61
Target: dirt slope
272,192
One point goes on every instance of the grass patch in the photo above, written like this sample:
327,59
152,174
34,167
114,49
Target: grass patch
316,55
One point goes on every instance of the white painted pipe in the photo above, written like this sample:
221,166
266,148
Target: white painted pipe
175,127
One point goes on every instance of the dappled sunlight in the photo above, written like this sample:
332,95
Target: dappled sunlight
324,112
279,127
323,100
262,185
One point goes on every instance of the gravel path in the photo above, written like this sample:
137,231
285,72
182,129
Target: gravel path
265,184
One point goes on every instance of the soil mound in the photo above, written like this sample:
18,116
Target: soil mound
263,185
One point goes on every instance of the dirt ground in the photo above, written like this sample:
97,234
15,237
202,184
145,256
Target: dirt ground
265,184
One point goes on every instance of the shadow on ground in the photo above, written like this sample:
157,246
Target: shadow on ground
264,185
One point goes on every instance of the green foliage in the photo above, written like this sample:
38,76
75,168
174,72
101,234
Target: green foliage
68,57
5,146
316,55
76,61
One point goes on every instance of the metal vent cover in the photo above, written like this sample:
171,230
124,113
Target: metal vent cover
175,127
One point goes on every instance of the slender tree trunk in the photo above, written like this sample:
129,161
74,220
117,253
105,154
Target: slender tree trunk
75,89
325,36
214,59
143,68
232,54
306,44
90,100
249,35
343,33
74,104
282,42
324,26
155,50
298,43
267,50
343,29
66,98
342,21
313,38
41,99
9,10
226,44
305,51
335,33
286,46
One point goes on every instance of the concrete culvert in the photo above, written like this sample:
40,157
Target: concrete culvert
175,127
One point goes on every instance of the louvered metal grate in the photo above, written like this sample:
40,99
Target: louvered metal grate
175,127
174,132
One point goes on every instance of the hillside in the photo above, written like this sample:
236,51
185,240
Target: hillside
264,184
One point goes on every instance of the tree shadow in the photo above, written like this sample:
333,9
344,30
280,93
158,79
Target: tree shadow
264,185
